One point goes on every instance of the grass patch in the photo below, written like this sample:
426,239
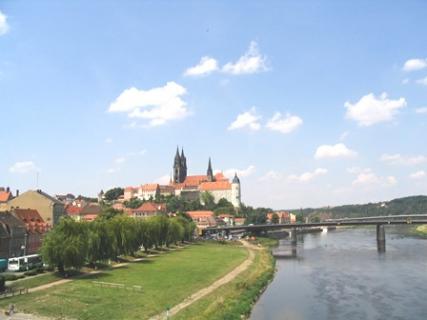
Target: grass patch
166,280
266,242
35,281
234,300
421,231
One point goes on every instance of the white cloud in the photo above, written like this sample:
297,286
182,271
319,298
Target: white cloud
271,175
422,110
113,170
405,81
251,62
4,27
163,179
367,178
205,66
248,119
284,124
422,81
338,150
120,160
229,173
308,176
108,140
158,105
370,110
415,64
23,167
418,175
398,159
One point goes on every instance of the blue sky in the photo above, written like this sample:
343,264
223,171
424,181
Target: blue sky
312,102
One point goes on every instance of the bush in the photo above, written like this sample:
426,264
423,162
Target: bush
30,273
13,277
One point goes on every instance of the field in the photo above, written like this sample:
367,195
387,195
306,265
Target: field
165,280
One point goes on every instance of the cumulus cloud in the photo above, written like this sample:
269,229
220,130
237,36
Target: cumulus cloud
398,159
163,179
248,119
284,124
366,178
251,62
4,27
23,167
271,176
108,140
157,105
229,173
338,150
205,66
308,176
415,64
113,170
370,110
418,175
422,110
120,160
422,81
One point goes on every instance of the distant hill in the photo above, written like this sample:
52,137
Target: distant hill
406,205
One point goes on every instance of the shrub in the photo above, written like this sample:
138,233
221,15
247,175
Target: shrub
30,273
2,283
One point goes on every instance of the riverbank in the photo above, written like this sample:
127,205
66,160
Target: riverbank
236,299
165,281
421,231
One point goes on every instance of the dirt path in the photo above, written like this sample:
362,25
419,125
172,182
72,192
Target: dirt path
205,291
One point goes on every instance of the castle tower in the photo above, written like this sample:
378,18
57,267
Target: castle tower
209,172
177,167
235,191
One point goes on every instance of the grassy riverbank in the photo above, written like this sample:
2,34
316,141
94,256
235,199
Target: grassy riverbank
166,280
235,300
421,231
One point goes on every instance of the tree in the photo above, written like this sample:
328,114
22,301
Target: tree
133,203
207,200
275,218
66,245
109,212
113,194
101,242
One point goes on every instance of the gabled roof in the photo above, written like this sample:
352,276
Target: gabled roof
5,196
28,215
215,185
151,207
195,180
150,187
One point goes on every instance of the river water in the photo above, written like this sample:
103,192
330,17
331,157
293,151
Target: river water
341,275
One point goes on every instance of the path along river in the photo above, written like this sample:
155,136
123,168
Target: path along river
341,275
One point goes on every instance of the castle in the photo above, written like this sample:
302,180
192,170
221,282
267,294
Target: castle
190,187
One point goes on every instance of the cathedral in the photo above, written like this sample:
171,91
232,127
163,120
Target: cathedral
190,187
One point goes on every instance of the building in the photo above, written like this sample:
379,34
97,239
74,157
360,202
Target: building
5,197
86,212
35,227
49,208
148,209
13,236
203,219
190,187
284,217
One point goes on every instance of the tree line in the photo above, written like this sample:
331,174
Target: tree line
72,244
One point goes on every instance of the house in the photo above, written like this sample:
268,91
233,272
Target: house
149,191
49,208
227,219
203,219
5,196
284,217
35,226
86,212
12,236
148,209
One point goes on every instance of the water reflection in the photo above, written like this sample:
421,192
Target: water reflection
341,275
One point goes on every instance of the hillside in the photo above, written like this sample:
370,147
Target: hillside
406,205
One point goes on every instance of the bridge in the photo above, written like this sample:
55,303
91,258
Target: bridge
379,221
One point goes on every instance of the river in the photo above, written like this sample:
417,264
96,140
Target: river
341,275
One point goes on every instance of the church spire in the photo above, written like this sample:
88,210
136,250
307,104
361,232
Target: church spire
209,171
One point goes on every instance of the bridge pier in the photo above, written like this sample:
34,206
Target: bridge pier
294,236
380,238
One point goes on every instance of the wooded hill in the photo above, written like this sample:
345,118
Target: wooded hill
406,205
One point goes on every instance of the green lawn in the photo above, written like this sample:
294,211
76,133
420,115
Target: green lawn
166,280
35,281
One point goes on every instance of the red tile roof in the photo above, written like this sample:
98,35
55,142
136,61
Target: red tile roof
195,180
32,219
73,210
200,214
151,207
5,196
220,176
216,185
150,187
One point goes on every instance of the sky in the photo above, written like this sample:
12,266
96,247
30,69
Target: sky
312,103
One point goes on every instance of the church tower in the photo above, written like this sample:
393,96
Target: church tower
177,167
183,166
235,191
209,172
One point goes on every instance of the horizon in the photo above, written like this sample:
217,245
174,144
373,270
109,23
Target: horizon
305,121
